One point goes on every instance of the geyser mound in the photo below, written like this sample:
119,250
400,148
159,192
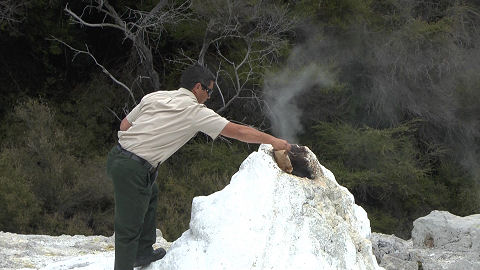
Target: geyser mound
268,219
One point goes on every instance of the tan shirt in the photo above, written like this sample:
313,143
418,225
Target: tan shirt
164,121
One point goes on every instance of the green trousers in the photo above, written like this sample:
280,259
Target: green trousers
136,196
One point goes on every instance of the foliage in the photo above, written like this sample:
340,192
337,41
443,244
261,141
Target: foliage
66,195
88,114
16,194
395,62
398,122
389,175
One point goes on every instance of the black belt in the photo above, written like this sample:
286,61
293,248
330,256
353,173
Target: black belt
133,156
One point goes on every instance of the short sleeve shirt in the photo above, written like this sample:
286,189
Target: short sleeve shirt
164,121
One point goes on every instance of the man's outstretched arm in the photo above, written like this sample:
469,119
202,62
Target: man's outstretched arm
251,135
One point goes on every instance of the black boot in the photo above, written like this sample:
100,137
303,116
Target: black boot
156,255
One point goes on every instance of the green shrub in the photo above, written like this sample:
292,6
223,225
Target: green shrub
384,170
20,209
462,189
87,116
70,196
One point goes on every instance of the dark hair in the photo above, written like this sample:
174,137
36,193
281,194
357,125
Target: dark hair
196,74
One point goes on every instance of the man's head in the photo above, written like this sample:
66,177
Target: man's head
199,80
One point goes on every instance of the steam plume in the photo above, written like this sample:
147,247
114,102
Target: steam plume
405,73
300,74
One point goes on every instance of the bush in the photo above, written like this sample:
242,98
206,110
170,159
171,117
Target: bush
20,209
463,191
67,195
87,116
384,169
64,194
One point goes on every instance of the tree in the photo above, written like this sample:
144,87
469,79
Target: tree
143,29
240,39
12,11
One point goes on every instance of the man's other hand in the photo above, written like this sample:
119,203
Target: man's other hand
124,125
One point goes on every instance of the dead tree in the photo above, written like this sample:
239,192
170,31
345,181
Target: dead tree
142,28
104,70
240,39
260,29
12,11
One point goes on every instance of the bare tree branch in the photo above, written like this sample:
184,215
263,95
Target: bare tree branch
79,20
142,28
218,86
12,11
104,70
261,27
116,115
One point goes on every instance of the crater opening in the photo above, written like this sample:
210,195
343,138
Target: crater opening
300,163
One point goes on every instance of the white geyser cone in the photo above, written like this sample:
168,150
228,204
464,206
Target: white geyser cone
268,219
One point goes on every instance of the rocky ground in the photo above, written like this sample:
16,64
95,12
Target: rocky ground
440,241
18,251
268,219
264,219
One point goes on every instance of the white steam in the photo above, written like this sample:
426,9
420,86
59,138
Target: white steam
283,87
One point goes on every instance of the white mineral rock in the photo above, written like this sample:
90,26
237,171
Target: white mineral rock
20,251
441,229
440,241
266,219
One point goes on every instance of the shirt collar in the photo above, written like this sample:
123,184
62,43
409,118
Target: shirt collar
188,93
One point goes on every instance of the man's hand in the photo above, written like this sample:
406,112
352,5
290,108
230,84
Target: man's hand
251,135
279,144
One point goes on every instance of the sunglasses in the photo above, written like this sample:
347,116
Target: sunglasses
209,91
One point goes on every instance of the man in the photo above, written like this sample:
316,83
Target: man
155,129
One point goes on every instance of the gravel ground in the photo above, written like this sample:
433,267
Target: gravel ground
19,251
